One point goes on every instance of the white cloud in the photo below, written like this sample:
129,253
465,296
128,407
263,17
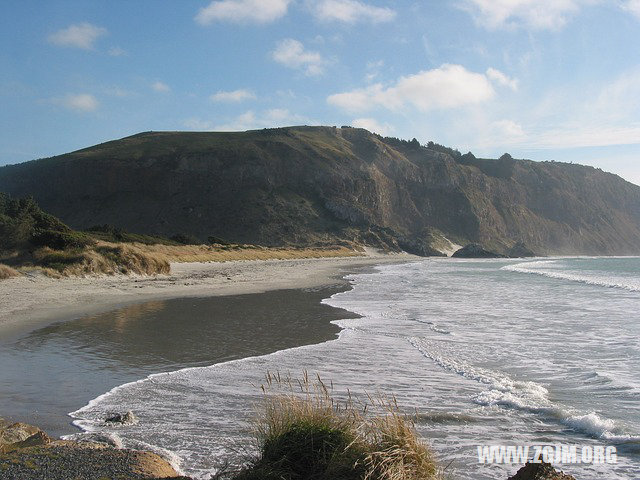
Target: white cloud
82,35
570,136
117,52
243,11
373,125
80,102
566,120
351,11
291,53
161,87
276,117
449,86
195,123
506,130
501,79
234,96
373,70
632,6
536,14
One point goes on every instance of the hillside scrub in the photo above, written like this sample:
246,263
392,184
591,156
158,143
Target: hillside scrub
7,272
31,237
306,434
23,225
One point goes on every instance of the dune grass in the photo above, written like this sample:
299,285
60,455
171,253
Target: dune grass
107,258
102,258
225,253
7,272
306,434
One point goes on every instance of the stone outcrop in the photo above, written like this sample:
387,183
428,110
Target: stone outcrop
540,471
15,432
473,250
520,250
27,452
127,418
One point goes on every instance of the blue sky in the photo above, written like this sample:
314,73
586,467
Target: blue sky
540,79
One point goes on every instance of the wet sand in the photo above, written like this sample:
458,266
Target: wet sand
32,301
56,369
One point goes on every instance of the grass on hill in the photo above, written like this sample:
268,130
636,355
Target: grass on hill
30,237
306,434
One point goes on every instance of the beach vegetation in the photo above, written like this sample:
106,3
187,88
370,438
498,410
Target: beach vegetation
306,434
7,272
113,234
186,239
30,237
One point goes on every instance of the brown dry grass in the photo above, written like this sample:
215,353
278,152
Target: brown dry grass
7,272
100,259
307,430
138,258
225,253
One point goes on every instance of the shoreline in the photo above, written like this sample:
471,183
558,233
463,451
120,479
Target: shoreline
35,301
273,298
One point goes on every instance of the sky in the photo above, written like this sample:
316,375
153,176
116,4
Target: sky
539,79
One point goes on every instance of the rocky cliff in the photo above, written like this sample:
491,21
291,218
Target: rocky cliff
313,185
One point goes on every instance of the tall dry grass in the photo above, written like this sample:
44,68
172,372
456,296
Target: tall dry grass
307,434
138,258
225,253
7,272
100,259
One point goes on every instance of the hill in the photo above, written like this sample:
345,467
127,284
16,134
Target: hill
305,186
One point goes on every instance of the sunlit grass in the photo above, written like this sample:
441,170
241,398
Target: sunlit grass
305,433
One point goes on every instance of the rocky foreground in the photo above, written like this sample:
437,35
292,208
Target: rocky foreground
26,452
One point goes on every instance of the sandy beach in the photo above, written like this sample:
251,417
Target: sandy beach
35,300
66,341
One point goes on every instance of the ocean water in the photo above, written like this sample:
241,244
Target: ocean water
484,352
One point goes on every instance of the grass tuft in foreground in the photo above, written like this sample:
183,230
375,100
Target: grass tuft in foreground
306,434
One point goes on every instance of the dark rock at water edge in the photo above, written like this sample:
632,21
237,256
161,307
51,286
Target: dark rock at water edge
126,418
473,250
540,471
520,250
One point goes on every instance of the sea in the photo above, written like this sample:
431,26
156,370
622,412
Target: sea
536,352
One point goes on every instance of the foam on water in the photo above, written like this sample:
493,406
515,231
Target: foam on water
480,356
529,396
503,389
542,268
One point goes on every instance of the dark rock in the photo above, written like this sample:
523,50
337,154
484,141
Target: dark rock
473,250
417,246
520,250
127,418
540,471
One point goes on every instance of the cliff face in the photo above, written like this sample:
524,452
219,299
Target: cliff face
303,185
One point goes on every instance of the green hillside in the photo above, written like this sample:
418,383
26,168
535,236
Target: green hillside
313,186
